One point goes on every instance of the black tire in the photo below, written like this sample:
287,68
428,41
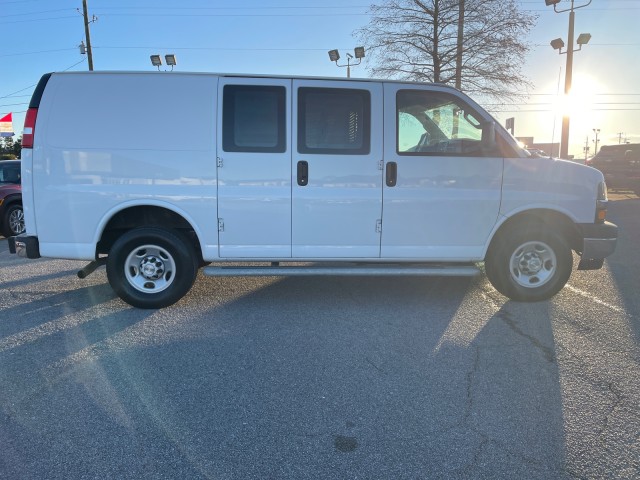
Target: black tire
528,263
13,221
151,267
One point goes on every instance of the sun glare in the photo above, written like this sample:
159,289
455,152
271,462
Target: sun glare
582,98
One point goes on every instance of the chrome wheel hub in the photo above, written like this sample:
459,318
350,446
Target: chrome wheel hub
533,264
150,269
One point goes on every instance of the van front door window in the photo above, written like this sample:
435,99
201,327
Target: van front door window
437,124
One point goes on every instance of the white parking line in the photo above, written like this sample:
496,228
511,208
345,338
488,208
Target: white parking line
595,299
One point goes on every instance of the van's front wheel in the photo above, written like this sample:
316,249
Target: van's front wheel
151,267
529,264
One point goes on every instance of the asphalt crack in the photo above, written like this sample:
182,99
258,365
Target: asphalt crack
546,352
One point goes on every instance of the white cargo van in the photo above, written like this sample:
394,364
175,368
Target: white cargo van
159,174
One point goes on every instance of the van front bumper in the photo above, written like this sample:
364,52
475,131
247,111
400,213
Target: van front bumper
25,246
599,241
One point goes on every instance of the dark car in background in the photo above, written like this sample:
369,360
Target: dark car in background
620,165
11,214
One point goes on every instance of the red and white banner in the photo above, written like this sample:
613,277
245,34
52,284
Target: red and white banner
6,126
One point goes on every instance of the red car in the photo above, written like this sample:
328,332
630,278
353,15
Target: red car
11,214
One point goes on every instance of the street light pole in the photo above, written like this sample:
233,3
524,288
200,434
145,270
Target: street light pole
334,56
568,77
596,131
557,44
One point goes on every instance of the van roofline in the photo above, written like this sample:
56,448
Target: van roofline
260,75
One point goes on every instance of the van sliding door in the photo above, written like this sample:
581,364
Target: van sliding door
337,169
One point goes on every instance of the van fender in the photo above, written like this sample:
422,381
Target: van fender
106,218
538,210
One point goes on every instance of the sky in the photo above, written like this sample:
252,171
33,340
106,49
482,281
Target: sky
286,37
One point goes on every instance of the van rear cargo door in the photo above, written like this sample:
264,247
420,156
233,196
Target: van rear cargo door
254,168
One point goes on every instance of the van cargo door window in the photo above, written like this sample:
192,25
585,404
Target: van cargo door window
253,119
334,121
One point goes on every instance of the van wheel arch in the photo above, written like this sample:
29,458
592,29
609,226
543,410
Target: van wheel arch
147,216
547,219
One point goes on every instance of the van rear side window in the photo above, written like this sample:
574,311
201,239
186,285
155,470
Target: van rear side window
334,121
253,119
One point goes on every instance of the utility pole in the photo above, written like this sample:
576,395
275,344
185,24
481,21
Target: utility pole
86,33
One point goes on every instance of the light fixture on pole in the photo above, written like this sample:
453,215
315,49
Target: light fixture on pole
583,39
156,61
558,44
170,59
334,56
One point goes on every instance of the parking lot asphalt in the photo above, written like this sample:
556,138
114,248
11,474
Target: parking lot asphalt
326,377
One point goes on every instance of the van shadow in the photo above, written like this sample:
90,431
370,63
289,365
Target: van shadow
52,329
326,377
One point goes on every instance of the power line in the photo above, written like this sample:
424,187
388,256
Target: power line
36,52
31,86
18,91
36,13
19,1
36,20
173,15
14,104
267,7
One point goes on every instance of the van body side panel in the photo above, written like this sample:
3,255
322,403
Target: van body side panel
443,206
338,143
152,136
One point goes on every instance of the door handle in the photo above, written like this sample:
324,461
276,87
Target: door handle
392,174
303,173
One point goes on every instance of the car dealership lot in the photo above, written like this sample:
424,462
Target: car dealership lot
322,377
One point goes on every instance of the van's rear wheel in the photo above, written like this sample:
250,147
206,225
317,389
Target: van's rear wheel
529,263
151,267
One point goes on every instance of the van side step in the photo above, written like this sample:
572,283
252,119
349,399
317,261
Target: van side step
348,269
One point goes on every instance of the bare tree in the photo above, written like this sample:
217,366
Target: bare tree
477,45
